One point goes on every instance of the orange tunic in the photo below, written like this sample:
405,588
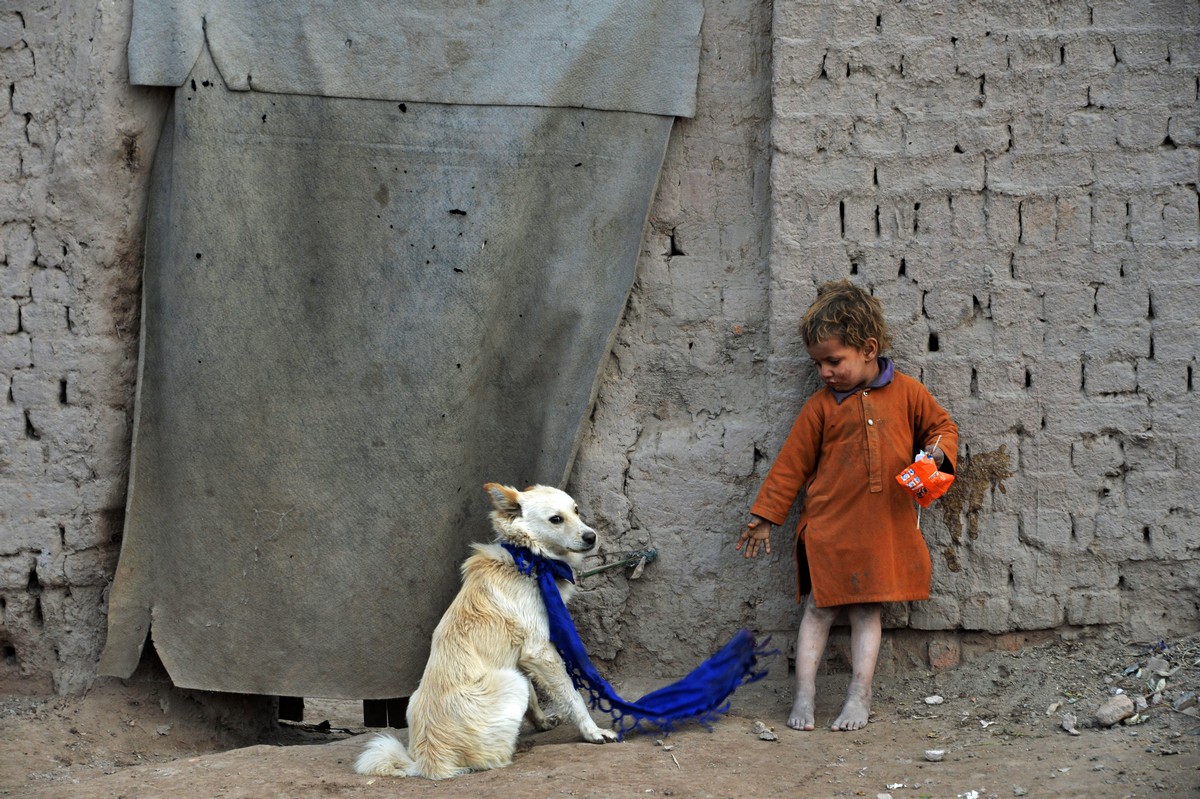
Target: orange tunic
858,525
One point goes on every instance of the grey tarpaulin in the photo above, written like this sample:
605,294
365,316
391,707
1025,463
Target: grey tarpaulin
357,311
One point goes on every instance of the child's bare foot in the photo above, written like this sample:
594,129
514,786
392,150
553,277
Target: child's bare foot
802,716
856,711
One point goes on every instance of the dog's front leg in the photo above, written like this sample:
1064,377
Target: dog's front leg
535,714
546,669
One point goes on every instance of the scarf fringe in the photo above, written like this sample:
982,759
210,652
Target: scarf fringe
701,696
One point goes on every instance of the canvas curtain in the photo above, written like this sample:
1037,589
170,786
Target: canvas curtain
387,250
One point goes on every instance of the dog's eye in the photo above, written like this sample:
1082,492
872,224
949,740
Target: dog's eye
556,519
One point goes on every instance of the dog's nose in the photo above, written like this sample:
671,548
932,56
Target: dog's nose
589,538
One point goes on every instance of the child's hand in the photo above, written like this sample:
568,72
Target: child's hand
757,534
936,455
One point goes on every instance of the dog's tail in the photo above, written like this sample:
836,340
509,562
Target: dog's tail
384,756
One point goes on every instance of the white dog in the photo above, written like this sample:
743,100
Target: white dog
493,640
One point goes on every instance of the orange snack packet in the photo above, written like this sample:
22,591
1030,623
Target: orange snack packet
924,481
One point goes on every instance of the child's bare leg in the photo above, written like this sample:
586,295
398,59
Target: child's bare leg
866,630
810,644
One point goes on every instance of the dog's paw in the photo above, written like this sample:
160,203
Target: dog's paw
547,722
598,735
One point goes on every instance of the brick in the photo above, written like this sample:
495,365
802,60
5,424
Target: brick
1175,342
43,318
1132,89
939,612
948,307
823,93
1036,612
1111,377
829,178
15,571
1031,174
947,378
1089,131
1003,219
947,173
1145,13
1092,51
91,567
26,535
1111,218
880,135
1146,219
1124,300
52,285
965,341
944,654
980,134
1175,301
1050,92
843,23
989,613
1066,304
1000,379
1017,337
1122,413
859,219
1046,529
1164,382
10,317
796,61
16,352
1073,217
1143,129
1181,216
1184,127
979,54
17,63
929,59
1038,223
1129,343
1142,172
1036,52
31,388
1142,50
1098,454
996,416
15,285
804,135
959,92
12,30
968,219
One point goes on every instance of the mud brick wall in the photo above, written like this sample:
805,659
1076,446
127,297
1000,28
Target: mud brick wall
73,158
1017,182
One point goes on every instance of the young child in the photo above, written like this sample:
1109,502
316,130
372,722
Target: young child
857,542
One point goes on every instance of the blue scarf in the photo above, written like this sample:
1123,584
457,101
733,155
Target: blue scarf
700,695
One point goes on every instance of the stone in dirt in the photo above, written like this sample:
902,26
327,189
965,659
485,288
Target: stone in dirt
1118,708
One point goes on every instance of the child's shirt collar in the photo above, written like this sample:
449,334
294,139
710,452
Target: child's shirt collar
886,372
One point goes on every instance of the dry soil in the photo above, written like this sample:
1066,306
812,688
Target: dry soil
999,724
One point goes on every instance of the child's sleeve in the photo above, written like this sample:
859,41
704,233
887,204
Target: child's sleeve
931,422
793,467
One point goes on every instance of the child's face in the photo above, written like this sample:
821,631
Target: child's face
845,368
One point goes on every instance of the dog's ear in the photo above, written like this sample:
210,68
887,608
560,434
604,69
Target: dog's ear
506,499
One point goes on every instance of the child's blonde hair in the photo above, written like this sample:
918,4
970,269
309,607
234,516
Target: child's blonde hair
844,311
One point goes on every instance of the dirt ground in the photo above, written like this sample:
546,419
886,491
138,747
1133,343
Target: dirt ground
999,724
